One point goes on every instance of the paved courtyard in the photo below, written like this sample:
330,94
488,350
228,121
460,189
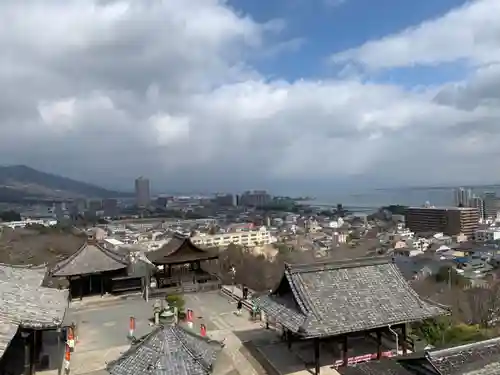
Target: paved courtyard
103,328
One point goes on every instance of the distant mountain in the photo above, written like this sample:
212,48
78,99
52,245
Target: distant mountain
20,182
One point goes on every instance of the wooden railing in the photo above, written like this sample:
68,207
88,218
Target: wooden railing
186,288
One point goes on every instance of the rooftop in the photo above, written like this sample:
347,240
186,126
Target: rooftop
180,249
170,350
24,303
340,297
90,258
479,358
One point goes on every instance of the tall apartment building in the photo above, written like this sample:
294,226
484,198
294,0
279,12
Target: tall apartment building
225,200
256,198
449,220
478,203
142,194
463,197
110,207
491,205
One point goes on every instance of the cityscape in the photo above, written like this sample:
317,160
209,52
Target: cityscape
241,187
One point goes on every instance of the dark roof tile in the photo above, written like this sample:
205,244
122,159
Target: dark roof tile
23,302
170,350
180,249
349,296
479,358
90,258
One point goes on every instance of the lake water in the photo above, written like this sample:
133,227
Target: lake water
374,199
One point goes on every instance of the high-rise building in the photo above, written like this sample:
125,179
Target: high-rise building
225,200
142,194
491,205
256,198
448,220
478,203
463,197
110,207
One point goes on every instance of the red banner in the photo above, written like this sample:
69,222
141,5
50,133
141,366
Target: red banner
362,358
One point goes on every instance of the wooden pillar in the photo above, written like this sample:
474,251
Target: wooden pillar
81,287
33,352
403,341
39,343
379,344
70,287
102,286
27,352
316,356
90,284
345,353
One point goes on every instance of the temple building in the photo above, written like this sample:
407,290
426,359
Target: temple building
183,265
168,350
331,303
92,269
28,312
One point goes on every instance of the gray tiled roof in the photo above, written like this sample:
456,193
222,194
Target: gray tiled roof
170,350
7,332
345,296
27,275
480,358
90,258
178,249
382,367
26,304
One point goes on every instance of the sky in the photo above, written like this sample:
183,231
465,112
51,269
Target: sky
293,96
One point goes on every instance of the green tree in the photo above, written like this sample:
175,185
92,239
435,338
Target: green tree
450,276
176,300
10,216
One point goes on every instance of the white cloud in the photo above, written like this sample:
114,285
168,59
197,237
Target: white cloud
164,89
469,33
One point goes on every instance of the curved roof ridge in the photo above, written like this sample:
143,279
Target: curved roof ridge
25,266
338,264
115,257
191,351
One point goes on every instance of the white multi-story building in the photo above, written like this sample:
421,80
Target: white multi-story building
249,238
24,223
486,235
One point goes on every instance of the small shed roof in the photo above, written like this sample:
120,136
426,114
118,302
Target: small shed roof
479,358
89,259
170,350
180,249
24,303
334,298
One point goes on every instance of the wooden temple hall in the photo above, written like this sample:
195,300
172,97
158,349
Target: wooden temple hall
333,312
184,266
94,270
30,319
